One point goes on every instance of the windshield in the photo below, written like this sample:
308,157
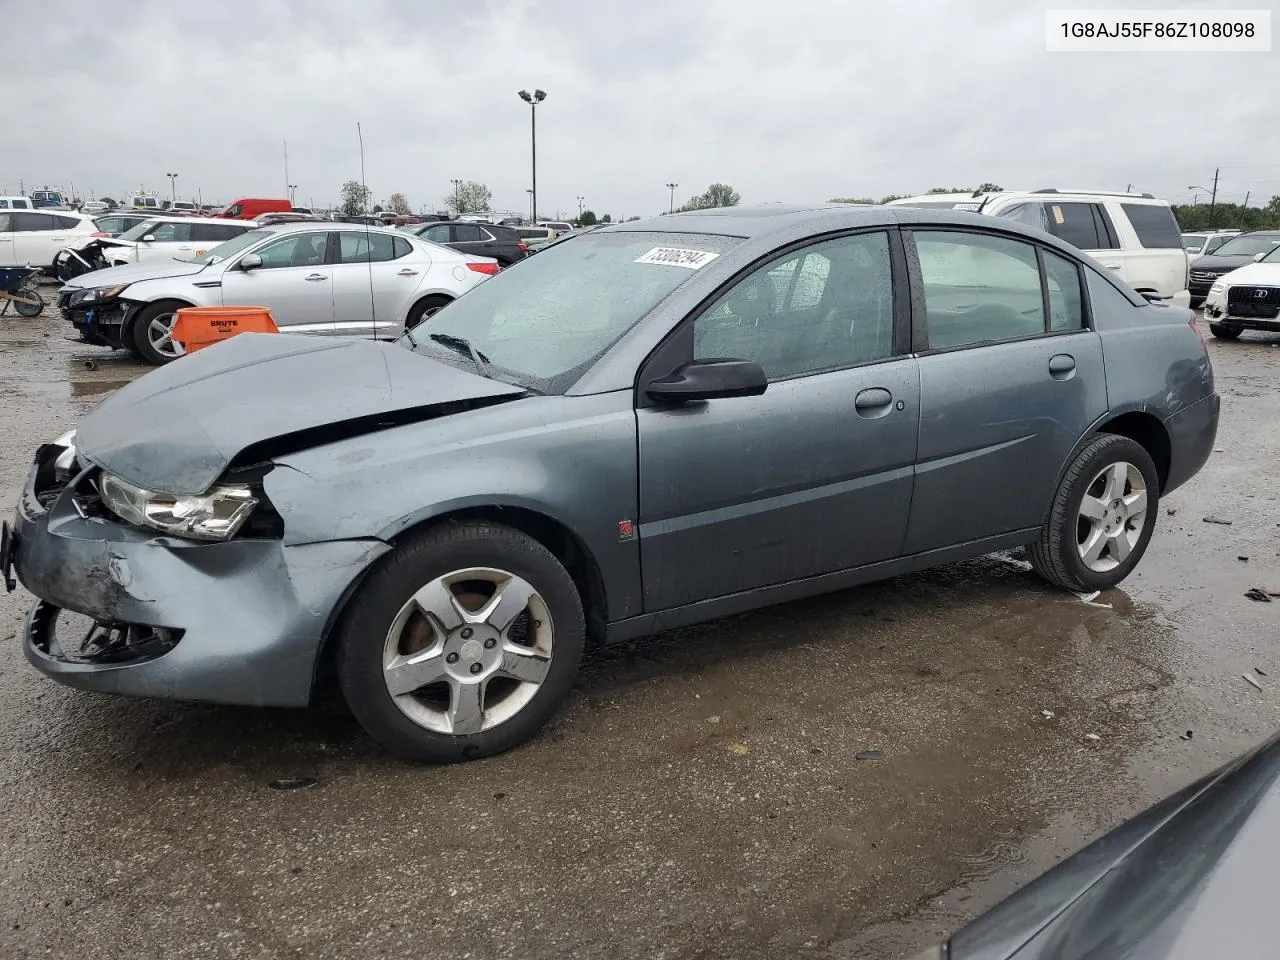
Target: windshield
1247,246
541,325
231,247
1192,242
138,231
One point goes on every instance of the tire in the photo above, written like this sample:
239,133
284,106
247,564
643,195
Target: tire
142,338
26,308
1057,555
1226,331
425,308
382,630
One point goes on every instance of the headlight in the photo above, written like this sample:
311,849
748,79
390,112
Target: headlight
1219,286
215,515
100,294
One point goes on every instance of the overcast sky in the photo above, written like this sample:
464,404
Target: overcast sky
787,101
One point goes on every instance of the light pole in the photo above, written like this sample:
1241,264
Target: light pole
293,187
580,199
533,99
1213,195
457,208
173,188
531,216
672,187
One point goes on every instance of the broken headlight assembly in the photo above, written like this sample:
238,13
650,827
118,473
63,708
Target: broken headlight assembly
97,295
215,515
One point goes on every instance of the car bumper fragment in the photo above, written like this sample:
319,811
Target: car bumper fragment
1192,432
240,622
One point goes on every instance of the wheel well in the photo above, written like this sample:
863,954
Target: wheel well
1149,432
563,543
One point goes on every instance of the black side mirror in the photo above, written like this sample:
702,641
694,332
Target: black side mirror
710,380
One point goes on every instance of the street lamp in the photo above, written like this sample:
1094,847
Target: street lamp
672,187
532,217
173,188
580,199
292,190
457,203
533,99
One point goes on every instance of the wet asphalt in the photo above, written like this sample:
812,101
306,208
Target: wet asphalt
852,776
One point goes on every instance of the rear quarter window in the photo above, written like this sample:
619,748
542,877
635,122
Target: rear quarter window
1154,225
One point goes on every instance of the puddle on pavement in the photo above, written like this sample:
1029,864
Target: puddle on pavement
93,388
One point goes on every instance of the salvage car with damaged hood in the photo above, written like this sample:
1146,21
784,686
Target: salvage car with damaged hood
644,426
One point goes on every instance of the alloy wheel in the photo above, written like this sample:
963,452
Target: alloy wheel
1111,517
468,651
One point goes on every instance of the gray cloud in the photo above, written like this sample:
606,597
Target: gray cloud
795,102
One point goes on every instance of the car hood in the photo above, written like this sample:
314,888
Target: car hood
1213,262
179,427
135,272
1190,878
1266,274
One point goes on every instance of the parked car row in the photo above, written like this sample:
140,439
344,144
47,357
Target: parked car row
322,278
1248,297
1238,251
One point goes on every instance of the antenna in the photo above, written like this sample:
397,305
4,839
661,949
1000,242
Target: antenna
368,240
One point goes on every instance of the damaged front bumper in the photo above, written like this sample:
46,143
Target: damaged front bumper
102,324
238,622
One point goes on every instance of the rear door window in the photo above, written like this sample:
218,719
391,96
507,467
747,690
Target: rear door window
438,234
1154,225
1076,223
31,222
468,233
1062,281
370,248
978,288
214,232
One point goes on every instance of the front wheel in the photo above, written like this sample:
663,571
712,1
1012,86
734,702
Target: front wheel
152,334
1101,518
461,644
1226,331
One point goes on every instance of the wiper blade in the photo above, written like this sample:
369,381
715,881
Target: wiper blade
463,345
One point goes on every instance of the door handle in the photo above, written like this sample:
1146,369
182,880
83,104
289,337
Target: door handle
1114,266
873,402
316,276
406,272
1062,366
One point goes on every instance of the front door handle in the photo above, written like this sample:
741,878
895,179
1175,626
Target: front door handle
1062,366
1114,266
873,402
406,272
316,276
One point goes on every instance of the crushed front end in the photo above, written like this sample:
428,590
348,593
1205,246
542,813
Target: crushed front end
237,621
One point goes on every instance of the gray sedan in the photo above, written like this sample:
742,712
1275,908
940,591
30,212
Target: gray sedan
645,426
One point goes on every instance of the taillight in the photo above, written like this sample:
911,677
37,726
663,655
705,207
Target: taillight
522,248
490,267
99,233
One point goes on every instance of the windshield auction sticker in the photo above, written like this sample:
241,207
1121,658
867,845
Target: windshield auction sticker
678,257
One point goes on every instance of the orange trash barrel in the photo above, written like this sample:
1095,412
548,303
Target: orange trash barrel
198,327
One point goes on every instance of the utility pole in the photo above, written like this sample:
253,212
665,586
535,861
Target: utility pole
1213,197
580,199
286,164
1246,198
457,209
672,187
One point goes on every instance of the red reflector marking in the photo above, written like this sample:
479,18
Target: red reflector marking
626,528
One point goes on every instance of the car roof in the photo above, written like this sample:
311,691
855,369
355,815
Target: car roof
304,226
172,219
790,222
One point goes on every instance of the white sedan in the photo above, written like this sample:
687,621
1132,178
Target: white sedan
166,238
1246,299
335,279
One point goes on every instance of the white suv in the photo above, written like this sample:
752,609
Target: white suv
170,238
1133,234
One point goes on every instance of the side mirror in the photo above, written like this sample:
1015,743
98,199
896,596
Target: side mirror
1259,256
711,380
250,261
1154,297
149,238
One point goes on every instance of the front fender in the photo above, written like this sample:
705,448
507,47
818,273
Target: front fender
570,459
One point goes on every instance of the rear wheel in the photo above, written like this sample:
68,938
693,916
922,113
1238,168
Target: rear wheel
461,644
152,334
425,308
1226,331
1101,518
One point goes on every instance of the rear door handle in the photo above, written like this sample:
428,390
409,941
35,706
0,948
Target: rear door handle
316,276
406,272
873,402
1114,266
1062,366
